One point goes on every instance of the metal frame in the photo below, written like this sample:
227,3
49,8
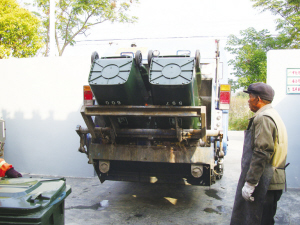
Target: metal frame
146,111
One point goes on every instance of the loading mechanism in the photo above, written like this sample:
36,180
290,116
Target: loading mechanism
150,154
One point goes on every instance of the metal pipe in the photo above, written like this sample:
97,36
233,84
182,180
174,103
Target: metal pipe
145,111
145,133
213,133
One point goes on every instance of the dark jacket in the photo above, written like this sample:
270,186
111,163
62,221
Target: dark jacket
269,144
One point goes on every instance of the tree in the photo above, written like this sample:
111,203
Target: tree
288,22
250,52
19,31
75,17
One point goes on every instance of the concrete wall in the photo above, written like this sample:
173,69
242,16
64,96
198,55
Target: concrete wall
40,100
288,106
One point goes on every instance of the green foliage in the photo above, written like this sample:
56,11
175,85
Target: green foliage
19,31
288,23
250,62
250,52
239,113
75,17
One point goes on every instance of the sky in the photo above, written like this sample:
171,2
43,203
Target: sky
176,24
163,19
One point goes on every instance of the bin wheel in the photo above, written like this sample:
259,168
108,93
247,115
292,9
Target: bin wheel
94,56
138,58
150,55
197,58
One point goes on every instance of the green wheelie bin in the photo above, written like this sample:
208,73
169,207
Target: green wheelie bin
33,201
117,81
173,83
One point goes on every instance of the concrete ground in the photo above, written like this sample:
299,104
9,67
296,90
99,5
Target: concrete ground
134,203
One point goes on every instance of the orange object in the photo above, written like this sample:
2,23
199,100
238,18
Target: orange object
4,167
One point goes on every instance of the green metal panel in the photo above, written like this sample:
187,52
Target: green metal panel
32,200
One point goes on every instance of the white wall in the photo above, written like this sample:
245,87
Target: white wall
40,100
288,106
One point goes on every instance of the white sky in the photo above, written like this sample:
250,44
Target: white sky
158,19
172,18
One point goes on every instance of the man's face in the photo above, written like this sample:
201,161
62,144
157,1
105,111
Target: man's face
253,103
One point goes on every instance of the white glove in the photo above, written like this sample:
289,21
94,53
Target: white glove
248,190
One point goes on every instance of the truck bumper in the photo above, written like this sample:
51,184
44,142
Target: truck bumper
161,154
155,164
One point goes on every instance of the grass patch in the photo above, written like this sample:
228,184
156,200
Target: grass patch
239,112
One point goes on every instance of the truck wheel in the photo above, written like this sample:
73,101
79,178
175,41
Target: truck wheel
94,56
138,58
197,59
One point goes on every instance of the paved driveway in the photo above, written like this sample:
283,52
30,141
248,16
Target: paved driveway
134,203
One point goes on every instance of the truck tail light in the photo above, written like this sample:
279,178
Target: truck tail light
87,95
224,96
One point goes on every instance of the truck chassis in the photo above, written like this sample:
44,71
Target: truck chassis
183,156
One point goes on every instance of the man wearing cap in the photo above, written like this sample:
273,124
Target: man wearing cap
262,176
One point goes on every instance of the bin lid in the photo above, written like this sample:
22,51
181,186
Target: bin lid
171,70
110,71
28,195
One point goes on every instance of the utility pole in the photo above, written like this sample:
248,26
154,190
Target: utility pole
52,28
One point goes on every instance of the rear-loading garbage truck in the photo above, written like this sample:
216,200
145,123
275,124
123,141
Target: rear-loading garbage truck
159,120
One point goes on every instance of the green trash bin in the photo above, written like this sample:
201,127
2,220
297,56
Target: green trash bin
32,201
118,81
174,83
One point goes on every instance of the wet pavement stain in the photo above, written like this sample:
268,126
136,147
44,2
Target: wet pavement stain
94,207
213,193
210,210
221,208
98,206
136,215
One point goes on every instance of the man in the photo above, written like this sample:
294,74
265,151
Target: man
262,177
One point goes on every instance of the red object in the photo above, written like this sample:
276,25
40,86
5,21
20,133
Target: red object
4,167
88,95
225,97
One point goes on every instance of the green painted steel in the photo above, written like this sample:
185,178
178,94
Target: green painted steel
32,200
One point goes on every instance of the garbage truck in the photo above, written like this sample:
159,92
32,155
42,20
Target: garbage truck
159,119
